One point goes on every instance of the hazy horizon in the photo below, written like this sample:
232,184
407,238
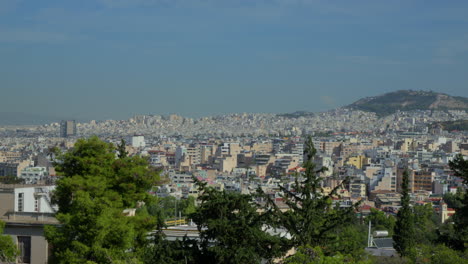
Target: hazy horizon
112,59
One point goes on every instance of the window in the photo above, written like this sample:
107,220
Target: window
36,204
20,202
24,247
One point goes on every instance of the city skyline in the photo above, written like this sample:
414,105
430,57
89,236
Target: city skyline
114,59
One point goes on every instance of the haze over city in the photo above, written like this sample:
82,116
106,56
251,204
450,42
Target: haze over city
233,131
104,59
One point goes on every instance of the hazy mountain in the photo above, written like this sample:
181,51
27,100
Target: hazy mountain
407,100
403,100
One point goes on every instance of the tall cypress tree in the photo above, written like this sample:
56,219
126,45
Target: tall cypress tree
404,229
121,149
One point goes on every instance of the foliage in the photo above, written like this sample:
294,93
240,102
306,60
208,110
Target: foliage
381,221
92,193
454,201
351,239
8,250
121,150
231,228
166,207
404,229
460,125
425,224
460,240
314,255
11,180
313,218
438,254
162,251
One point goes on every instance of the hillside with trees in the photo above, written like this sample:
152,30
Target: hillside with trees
408,100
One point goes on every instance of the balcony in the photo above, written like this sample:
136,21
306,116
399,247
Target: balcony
29,218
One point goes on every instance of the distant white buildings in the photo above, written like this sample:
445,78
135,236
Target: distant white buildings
138,142
33,175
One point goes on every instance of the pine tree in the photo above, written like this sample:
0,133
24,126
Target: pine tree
313,219
232,229
404,228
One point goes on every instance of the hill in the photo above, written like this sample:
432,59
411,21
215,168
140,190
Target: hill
408,100
297,114
460,125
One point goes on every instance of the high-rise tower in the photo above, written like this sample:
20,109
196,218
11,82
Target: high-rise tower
67,128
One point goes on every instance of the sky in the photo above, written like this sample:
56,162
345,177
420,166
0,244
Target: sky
112,59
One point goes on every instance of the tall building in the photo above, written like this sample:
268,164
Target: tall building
67,128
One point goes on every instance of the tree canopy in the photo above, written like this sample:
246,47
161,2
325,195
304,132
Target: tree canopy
94,190
8,250
232,230
460,239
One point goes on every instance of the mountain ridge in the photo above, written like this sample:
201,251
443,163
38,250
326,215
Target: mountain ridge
409,100
381,105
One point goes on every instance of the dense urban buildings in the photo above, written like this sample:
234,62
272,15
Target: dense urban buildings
243,152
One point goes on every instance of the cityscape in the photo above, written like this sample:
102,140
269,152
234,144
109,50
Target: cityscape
365,157
233,132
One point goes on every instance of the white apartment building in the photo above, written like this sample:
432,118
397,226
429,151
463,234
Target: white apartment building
33,175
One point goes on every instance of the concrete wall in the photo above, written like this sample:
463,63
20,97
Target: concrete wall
7,199
39,245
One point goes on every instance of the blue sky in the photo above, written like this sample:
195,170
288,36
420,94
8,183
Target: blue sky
102,59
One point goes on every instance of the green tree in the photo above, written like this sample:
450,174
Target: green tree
351,239
313,218
170,207
315,255
437,254
231,228
162,251
8,250
187,206
460,241
404,229
425,224
121,150
94,190
381,221
454,201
